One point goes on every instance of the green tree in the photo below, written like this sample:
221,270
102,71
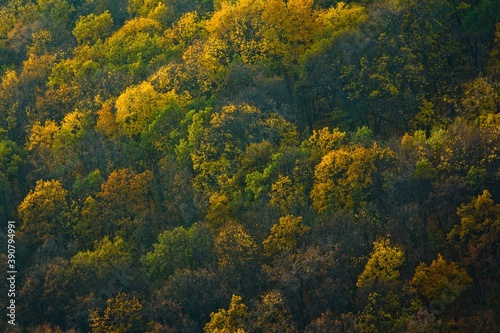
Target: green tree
190,248
223,143
134,47
91,28
12,161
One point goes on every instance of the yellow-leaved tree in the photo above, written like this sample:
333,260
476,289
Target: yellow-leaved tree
383,264
441,280
123,313
284,236
137,107
45,211
232,320
351,176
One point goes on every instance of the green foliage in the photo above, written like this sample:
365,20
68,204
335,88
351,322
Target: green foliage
180,248
91,28
229,134
107,254
135,46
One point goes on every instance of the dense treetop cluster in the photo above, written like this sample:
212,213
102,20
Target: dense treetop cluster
252,165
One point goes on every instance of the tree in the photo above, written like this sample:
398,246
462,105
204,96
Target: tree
134,47
480,99
12,119
235,247
220,148
232,320
441,280
185,30
349,177
387,312
137,107
12,165
291,27
45,211
190,248
287,196
284,236
188,298
91,28
123,314
323,141
477,238
312,280
383,264
271,315
122,208
237,32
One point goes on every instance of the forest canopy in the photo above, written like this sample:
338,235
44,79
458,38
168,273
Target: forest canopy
251,165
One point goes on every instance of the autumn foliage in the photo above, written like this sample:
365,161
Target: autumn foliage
252,165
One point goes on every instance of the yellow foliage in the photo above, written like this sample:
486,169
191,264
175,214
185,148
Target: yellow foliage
383,263
341,18
123,313
37,67
218,210
284,236
232,320
73,123
480,99
238,30
42,136
155,9
234,246
440,280
324,141
291,27
42,209
348,176
476,217
329,189
106,121
138,106
185,30
285,195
